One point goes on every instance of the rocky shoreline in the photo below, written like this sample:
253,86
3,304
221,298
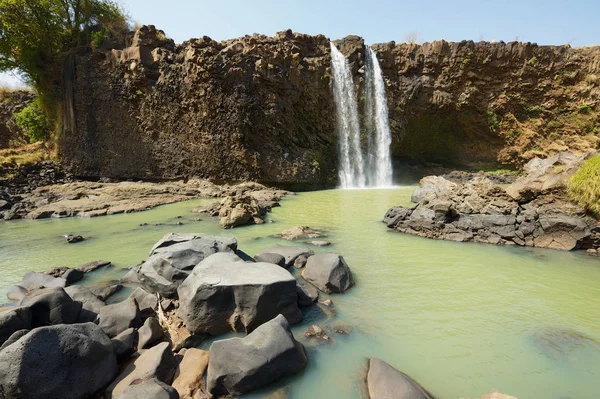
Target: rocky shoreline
192,287
534,211
45,190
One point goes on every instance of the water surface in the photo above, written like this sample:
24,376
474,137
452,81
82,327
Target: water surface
462,319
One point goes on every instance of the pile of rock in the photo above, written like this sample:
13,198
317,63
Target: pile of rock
192,286
534,211
244,208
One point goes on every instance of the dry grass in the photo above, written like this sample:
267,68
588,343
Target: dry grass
584,185
24,155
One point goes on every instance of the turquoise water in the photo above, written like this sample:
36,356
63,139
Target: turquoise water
462,319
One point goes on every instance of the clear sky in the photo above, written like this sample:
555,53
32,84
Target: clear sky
541,21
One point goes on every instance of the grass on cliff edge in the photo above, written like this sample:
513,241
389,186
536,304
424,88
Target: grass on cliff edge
24,155
584,185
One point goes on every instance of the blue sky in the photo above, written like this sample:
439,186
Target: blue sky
544,22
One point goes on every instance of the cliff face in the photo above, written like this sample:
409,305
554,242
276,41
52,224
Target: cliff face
262,108
250,108
12,102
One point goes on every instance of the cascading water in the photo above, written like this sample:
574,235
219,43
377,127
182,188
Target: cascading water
351,169
379,172
375,168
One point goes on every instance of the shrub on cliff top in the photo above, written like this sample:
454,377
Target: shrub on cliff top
584,185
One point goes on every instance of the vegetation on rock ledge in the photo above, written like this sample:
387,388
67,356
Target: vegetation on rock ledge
584,185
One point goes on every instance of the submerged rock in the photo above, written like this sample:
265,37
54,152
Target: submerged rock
298,232
91,266
72,239
224,293
65,361
560,343
239,365
103,293
383,379
328,272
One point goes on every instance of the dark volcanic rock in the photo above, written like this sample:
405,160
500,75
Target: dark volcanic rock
13,321
157,362
150,389
382,379
328,272
103,293
239,365
90,303
224,293
150,333
172,258
126,343
114,319
289,252
17,335
51,306
534,211
276,259
65,361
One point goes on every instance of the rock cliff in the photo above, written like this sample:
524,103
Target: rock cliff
262,108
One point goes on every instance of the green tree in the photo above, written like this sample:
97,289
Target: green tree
36,36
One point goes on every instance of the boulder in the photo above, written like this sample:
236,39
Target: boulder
190,373
276,259
64,361
328,272
431,187
72,276
150,333
17,335
289,252
224,293
13,321
34,280
172,258
125,343
239,365
307,294
240,210
149,389
114,319
103,293
316,332
157,362
51,306
299,232
147,302
383,379
90,303
300,262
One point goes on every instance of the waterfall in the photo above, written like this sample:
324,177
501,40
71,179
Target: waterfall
374,169
351,171
380,169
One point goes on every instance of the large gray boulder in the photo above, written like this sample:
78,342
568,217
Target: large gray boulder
147,302
12,321
150,333
157,362
17,335
383,380
175,255
239,365
289,252
90,303
51,306
125,343
149,389
65,361
328,272
224,293
114,319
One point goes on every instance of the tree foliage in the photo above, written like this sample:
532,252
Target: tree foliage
33,121
35,35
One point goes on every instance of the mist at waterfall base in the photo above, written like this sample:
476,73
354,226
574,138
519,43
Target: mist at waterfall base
374,167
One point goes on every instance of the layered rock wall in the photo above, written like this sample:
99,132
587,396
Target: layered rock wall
262,108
